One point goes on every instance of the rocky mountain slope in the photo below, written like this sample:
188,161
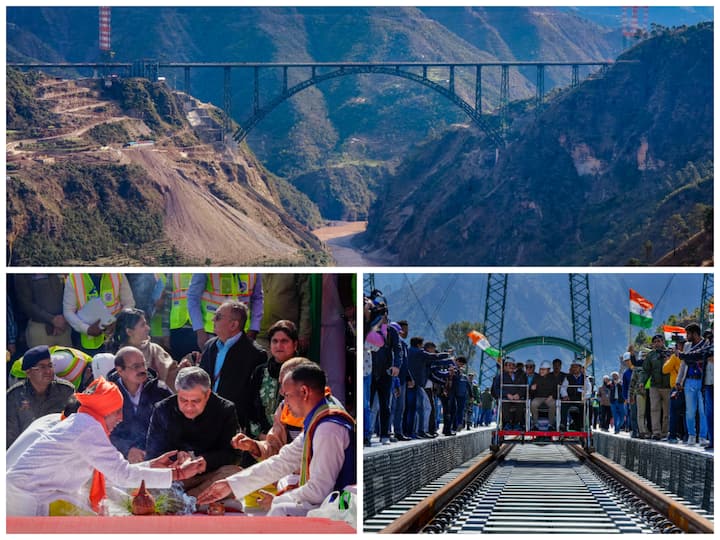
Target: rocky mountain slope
127,172
623,160
339,132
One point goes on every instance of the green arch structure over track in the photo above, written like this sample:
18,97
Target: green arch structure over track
547,341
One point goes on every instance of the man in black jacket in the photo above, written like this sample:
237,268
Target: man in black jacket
198,423
230,359
511,391
141,390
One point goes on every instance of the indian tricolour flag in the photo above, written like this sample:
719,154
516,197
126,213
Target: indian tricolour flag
669,331
481,341
640,310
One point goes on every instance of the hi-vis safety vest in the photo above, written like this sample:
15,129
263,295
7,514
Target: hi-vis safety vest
179,314
221,288
85,291
156,320
68,363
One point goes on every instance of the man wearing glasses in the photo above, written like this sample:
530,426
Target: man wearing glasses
40,394
230,359
325,452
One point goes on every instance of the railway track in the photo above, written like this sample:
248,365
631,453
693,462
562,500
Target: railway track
540,489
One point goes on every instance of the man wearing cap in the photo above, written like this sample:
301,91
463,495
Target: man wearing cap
78,451
659,387
530,371
542,392
637,395
39,394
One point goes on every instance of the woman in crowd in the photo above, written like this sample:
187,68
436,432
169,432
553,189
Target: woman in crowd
131,328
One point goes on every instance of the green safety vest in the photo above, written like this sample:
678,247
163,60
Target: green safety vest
156,321
179,314
221,288
85,291
69,366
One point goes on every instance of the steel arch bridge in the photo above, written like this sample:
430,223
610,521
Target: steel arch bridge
494,134
414,71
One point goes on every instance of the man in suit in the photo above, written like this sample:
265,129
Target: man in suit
231,357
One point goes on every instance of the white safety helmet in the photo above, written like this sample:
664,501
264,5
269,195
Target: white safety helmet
102,364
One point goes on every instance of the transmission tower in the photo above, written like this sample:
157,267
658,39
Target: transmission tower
494,319
580,309
635,22
104,25
706,301
368,284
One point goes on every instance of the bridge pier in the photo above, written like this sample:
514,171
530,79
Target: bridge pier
575,76
540,88
227,102
451,79
187,80
256,89
504,98
478,89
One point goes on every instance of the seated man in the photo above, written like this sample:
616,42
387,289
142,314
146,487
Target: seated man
40,394
574,390
324,452
542,392
60,463
141,390
510,389
198,423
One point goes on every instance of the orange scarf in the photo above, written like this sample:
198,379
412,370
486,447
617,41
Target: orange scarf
289,419
100,399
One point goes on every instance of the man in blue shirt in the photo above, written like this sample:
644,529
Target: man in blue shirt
230,359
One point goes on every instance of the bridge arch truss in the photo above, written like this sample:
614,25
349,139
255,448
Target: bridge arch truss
402,71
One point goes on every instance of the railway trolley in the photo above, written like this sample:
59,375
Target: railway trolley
572,417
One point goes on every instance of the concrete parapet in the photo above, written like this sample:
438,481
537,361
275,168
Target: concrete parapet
393,472
685,471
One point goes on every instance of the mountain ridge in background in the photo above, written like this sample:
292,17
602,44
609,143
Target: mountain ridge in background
538,304
342,143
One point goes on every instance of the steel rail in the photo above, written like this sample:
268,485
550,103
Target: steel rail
420,515
683,517
668,511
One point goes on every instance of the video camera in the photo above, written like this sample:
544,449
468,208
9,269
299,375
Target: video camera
677,338
378,306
